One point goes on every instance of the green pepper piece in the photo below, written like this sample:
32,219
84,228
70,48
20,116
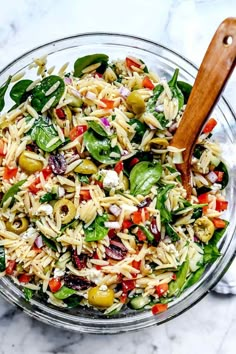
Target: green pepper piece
28,293
12,192
64,293
18,92
176,285
100,148
3,90
143,176
194,277
2,259
96,231
84,62
39,98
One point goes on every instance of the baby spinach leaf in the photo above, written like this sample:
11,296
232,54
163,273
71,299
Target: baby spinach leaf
198,150
100,148
176,285
211,253
28,293
96,231
97,128
162,196
3,90
83,62
194,277
48,197
64,293
218,234
185,89
73,301
176,92
222,167
171,233
18,92
12,192
140,129
49,243
39,99
143,176
2,259
71,225
83,179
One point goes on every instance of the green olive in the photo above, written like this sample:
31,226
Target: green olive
125,182
204,228
29,162
75,102
86,167
136,102
66,209
100,298
18,226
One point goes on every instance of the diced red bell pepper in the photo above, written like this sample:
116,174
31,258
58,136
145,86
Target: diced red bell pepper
158,308
133,162
136,264
126,224
137,216
2,148
130,62
47,171
162,289
24,278
85,194
95,256
221,205
123,298
9,172
54,284
60,113
77,131
109,103
174,276
36,249
141,235
219,223
112,233
33,186
10,267
203,199
210,125
119,167
99,183
98,74
220,176
128,285
147,83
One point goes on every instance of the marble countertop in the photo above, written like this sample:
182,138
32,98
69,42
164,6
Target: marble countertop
187,27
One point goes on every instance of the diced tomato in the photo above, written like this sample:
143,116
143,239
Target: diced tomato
10,267
47,171
221,205
2,148
33,186
119,167
137,216
133,162
95,256
54,284
174,276
130,62
123,298
9,172
220,176
158,308
210,125
147,83
141,235
203,199
24,278
162,289
219,223
112,233
109,103
126,224
60,113
99,183
98,74
85,194
128,285
77,131
36,249
136,264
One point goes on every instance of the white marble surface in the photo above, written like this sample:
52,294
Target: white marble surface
185,26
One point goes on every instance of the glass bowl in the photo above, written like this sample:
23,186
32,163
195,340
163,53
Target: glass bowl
163,61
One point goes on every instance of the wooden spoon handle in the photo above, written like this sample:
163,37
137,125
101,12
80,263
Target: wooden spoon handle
217,65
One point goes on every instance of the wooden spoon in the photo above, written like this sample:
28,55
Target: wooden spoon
215,70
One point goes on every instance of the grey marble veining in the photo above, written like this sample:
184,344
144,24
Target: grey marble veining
187,27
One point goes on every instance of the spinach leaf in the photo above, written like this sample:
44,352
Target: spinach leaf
48,197
194,277
97,128
147,233
211,253
143,176
39,99
2,259
28,293
43,133
71,224
218,234
73,301
12,192
83,179
171,233
96,231
50,243
3,90
173,170
145,70
160,204
176,92
222,167
197,213
176,285
18,92
198,150
140,129
100,148
83,62
185,89
64,293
